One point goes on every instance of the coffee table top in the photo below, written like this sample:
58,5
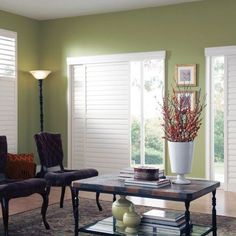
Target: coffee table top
111,184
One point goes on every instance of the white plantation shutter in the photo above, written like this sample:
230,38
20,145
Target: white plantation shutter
231,121
100,116
229,54
8,88
99,133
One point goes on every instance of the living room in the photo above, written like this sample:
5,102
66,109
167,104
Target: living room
58,38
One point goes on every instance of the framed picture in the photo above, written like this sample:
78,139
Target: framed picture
185,75
187,98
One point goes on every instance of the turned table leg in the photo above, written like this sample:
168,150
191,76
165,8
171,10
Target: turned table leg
187,218
214,224
75,202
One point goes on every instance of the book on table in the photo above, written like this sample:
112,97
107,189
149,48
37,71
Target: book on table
163,221
167,215
145,183
159,230
129,173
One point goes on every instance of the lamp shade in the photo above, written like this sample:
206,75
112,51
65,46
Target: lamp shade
40,74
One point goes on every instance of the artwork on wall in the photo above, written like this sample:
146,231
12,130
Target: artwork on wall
185,75
187,98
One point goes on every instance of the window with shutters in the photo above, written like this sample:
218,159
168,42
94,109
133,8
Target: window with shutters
114,119
8,88
221,115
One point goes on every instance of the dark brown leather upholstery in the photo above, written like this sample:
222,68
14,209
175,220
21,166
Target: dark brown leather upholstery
19,188
50,152
3,154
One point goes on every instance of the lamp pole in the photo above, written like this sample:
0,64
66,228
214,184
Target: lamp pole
40,75
41,103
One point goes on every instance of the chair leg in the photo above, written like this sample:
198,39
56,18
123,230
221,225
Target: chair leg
63,189
45,206
5,214
97,201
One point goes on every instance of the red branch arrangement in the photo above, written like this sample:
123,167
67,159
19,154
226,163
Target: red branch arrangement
181,121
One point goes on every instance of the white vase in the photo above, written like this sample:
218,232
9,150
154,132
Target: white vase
181,157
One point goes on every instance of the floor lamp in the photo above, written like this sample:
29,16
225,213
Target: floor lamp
40,75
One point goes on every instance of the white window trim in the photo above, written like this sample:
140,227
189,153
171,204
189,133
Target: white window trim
210,52
99,59
220,51
116,57
12,34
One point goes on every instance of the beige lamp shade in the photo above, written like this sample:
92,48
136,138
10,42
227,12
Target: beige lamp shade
40,74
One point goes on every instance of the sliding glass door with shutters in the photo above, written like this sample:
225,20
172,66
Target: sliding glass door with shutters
221,115
113,110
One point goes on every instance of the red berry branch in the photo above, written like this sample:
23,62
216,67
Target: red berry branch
182,117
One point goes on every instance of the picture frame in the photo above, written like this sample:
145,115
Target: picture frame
185,74
188,96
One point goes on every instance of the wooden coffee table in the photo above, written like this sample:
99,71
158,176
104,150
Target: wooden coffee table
111,185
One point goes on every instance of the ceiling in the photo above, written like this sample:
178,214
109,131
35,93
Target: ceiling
52,9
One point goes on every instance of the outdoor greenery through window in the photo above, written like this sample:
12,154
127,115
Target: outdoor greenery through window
147,86
218,98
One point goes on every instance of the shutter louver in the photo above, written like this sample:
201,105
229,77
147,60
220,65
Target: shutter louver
100,116
231,122
8,88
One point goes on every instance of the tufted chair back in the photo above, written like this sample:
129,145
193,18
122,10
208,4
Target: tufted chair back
3,153
49,148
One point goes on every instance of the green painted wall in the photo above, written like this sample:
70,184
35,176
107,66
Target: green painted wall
27,57
182,30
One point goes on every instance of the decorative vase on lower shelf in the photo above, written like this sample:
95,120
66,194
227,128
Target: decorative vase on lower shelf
131,220
181,157
119,208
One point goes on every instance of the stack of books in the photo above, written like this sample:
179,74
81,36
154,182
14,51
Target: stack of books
146,183
166,222
128,172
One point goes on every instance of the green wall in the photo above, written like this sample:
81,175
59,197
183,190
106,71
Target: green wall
28,59
182,30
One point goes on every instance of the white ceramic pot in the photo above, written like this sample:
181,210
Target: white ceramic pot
181,157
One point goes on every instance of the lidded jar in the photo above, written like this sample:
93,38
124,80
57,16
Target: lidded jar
131,220
119,208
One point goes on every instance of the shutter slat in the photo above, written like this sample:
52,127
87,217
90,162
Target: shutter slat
101,97
231,121
8,99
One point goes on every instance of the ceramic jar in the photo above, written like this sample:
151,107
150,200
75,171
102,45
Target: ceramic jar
119,208
131,221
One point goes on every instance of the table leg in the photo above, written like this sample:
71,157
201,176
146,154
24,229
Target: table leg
214,225
114,220
75,202
187,218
